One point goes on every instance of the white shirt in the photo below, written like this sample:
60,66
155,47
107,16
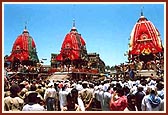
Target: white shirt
33,107
63,98
106,104
50,92
79,87
101,97
81,104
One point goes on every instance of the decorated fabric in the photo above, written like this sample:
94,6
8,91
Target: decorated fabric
73,48
154,100
24,48
145,38
32,50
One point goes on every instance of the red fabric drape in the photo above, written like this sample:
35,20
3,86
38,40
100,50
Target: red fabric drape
145,38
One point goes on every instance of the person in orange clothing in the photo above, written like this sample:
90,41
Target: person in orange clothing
118,101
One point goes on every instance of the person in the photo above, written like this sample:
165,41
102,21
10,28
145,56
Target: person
63,97
131,101
40,90
33,88
151,76
13,102
106,99
100,95
74,103
139,95
160,90
118,101
33,104
151,102
79,86
96,105
50,97
131,74
86,95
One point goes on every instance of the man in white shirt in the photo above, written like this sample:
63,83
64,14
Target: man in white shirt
32,104
50,97
63,97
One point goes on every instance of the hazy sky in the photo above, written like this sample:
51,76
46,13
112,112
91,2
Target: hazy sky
105,27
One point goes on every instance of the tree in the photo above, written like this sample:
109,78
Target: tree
107,67
112,68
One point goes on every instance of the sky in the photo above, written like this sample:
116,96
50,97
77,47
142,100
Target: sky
105,27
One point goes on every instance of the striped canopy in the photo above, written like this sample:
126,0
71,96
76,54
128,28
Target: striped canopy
145,38
24,48
73,47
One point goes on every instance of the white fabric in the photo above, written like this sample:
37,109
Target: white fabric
100,97
34,107
106,104
63,98
50,92
79,87
81,104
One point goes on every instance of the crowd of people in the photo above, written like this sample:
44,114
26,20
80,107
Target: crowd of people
144,94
